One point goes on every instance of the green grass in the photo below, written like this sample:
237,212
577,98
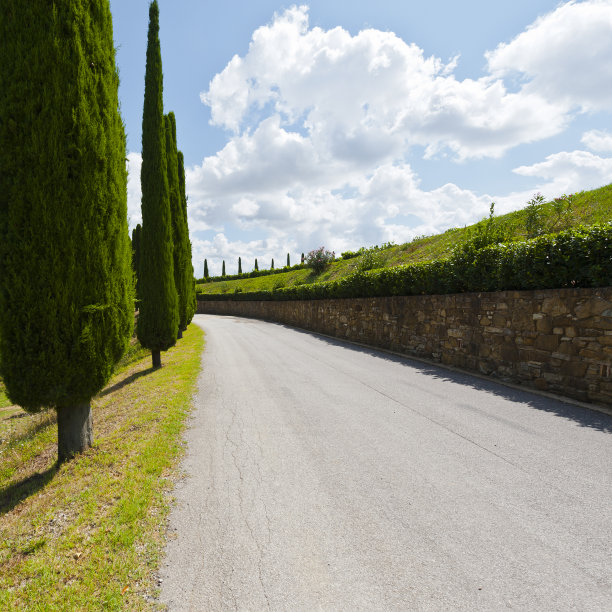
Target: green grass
89,535
4,401
588,207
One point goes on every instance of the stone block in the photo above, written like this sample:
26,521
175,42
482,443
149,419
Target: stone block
499,320
554,306
522,319
544,325
586,353
596,323
509,353
547,343
592,306
575,369
454,333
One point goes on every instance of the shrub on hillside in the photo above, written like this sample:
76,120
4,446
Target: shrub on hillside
319,259
370,259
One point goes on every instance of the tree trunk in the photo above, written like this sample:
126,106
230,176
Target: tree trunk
156,356
74,430
180,334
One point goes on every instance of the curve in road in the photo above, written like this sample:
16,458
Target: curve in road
324,476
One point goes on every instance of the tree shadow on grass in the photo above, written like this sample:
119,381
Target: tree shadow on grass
126,381
15,493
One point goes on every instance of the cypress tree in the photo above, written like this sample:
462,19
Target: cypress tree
159,318
288,261
302,260
272,264
223,269
205,268
178,222
239,266
189,279
136,232
66,292
256,266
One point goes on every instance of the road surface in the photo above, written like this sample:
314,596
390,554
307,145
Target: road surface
324,476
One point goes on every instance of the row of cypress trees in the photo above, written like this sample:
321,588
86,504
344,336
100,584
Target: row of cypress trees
256,267
165,274
66,287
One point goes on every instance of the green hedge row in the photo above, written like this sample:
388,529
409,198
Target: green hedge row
580,257
253,274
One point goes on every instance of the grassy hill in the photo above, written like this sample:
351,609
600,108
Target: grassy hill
584,208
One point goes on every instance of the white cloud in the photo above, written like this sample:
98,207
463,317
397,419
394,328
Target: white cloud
571,171
598,140
565,55
363,99
245,208
134,163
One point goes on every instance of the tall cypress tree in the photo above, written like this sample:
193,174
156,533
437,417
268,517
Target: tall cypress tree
159,318
223,269
256,266
136,232
272,264
288,261
66,297
178,222
239,265
205,268
189,280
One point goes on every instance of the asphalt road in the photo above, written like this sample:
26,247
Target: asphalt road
324,476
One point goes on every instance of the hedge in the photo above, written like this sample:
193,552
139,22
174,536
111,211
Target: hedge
580,257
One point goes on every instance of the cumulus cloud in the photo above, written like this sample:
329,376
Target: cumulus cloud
387,205
571,171
565,55
363,99
598,140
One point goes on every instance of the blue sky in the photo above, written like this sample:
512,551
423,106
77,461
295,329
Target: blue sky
347,124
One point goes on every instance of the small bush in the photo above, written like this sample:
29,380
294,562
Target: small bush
534,225
319,259
370,259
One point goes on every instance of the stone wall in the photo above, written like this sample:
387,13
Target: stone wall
553,340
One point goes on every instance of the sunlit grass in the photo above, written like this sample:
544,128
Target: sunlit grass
89,535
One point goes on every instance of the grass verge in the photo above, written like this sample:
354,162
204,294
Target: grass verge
89,535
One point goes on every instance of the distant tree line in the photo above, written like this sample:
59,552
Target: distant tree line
254,274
